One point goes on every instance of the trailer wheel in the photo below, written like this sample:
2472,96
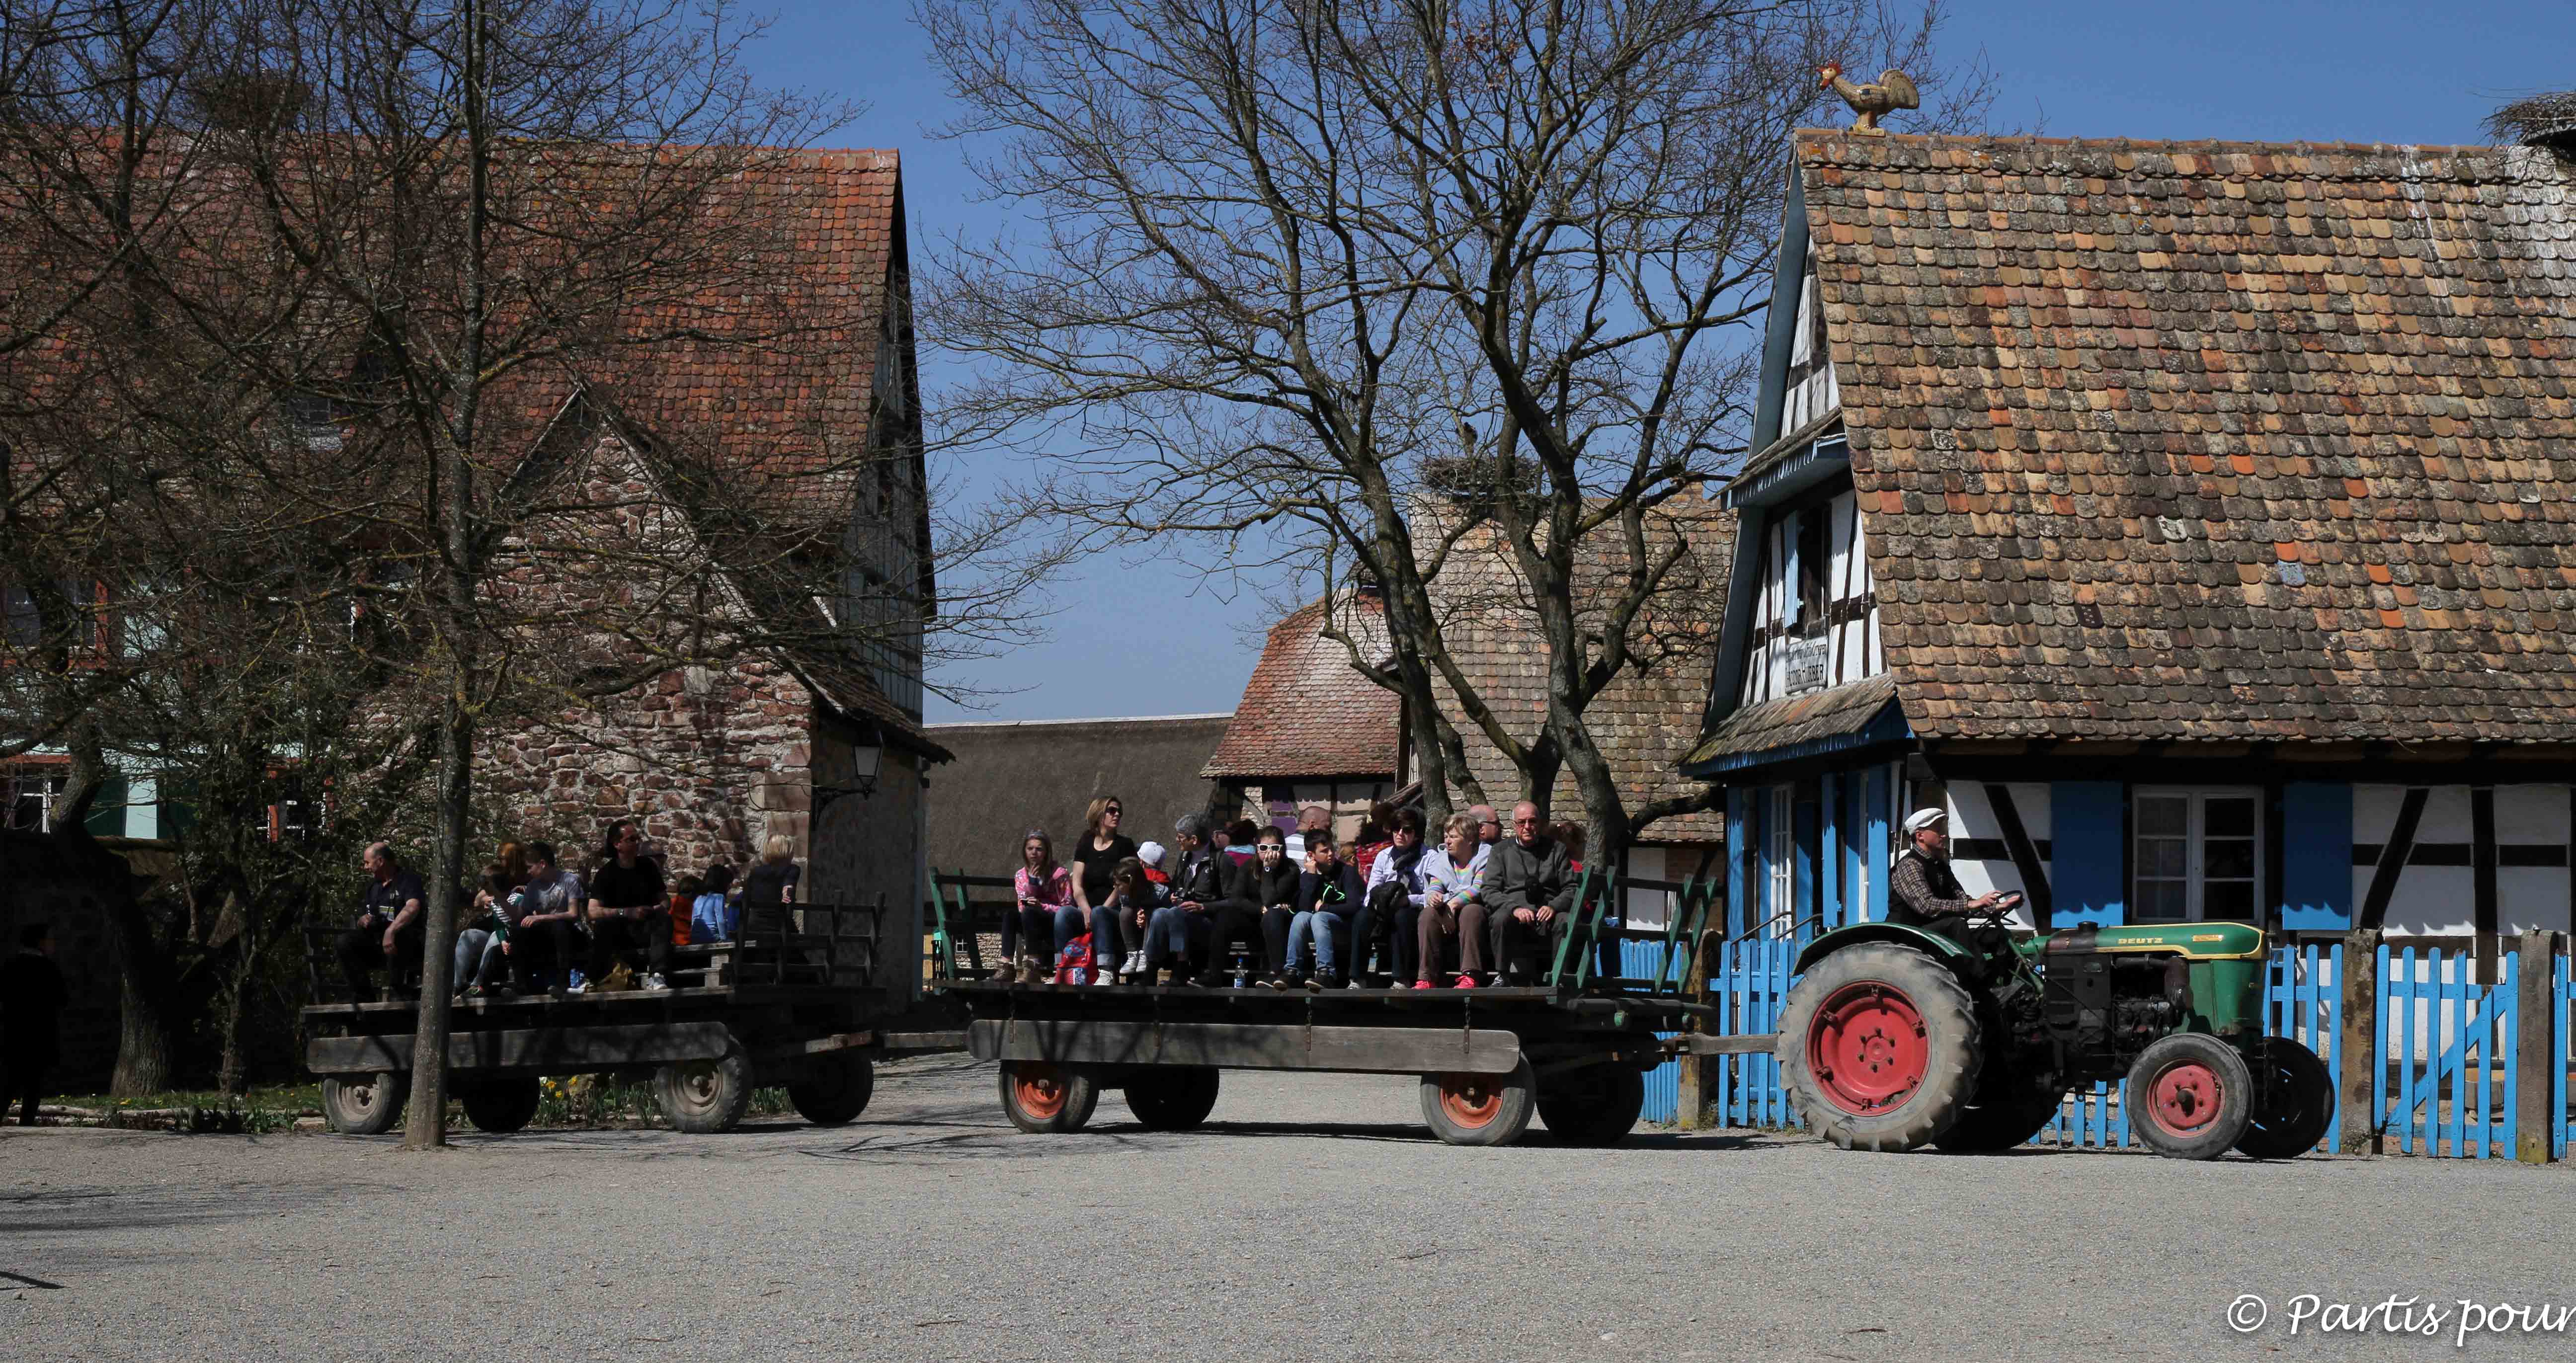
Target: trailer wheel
365,1104
1595,1105
498,1106
1173,1098
2296,1103
1984,1128
2190,1096
1041,1098
1879,1047
833,1088
1480,1109
703,1097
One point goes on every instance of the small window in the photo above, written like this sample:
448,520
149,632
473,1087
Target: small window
1782,919
1814,593
32,800
2198,855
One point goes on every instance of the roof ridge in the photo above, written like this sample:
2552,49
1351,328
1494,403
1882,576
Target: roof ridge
1812,136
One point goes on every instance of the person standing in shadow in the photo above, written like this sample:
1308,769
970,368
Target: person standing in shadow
31,1010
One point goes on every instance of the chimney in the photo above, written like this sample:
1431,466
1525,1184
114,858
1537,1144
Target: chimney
2544,121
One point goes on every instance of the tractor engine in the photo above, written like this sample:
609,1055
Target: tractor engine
2109,993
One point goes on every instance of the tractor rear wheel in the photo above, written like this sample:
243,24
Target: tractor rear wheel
1594,1105
2296,1102
703,1097
1173,1097
1879,1047
1480,1109
2190,1096
1040,1098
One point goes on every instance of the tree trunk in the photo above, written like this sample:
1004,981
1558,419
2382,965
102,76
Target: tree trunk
143,1033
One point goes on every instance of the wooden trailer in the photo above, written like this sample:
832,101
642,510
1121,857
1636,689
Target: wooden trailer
806,1008
1571,1048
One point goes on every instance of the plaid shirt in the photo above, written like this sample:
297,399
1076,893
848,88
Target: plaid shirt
1926,888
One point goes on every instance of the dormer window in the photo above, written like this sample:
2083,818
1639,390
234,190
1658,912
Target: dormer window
1815,624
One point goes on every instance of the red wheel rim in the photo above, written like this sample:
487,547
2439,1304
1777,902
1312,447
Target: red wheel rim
2185,1097
1038,1092
1866,1048
1470,1100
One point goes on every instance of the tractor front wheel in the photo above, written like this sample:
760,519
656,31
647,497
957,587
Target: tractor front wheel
2297,1101
2190,1096
1879,1047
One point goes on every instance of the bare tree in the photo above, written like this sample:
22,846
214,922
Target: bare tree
1295,264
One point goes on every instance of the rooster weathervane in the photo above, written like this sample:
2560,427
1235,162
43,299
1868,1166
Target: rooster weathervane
1894,90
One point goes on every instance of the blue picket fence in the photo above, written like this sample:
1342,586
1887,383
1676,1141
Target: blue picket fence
1645,960
2450,1040
1749,989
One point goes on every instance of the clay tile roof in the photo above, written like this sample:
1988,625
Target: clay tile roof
2198,440
1647,719
1306,711
1796,721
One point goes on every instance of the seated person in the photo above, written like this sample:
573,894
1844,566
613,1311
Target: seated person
479,957
1262,904
1392,901
545,940
1043,916
390,929
1524,899
1123,916
1178,935
711,912
1450,873
1328,903
630,917
1924,892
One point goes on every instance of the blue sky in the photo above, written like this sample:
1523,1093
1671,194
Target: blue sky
2252,69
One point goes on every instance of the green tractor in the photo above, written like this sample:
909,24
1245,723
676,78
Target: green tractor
1896,1037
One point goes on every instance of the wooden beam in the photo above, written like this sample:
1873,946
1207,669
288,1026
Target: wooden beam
561,1050
2361,1074
1350,1050
2536,1052
1699,1044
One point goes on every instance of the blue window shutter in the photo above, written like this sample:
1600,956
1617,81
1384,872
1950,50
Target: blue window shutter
2086,879
2316,856
1741,837
1805,897
1880,849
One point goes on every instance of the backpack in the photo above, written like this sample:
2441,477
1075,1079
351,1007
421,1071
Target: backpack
1073,965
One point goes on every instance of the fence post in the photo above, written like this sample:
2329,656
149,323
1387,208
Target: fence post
2361,1076
2536,1049
1690,1108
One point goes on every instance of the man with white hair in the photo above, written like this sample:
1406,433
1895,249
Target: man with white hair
1923,892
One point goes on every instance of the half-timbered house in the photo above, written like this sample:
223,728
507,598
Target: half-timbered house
2192,520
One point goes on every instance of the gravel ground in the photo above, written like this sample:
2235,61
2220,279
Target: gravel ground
1313,1218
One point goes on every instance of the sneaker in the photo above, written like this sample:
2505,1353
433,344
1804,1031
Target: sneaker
653,982
1465,982
577,987
1005,973
1423,984
1135,964
1281,982
1315,984
1104,977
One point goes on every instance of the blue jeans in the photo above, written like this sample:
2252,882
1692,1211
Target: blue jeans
1111,938
477,956
1175,935
1068,925
1321,929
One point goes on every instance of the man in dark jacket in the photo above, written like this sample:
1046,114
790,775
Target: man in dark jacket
31,1010
1923,892
1527,894
1202,882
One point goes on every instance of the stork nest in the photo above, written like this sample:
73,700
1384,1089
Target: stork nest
1477,477
2540,121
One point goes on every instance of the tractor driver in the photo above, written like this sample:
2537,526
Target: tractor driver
1924,892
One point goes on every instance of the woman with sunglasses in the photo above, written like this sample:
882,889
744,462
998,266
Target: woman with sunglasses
1263,904
1095,864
